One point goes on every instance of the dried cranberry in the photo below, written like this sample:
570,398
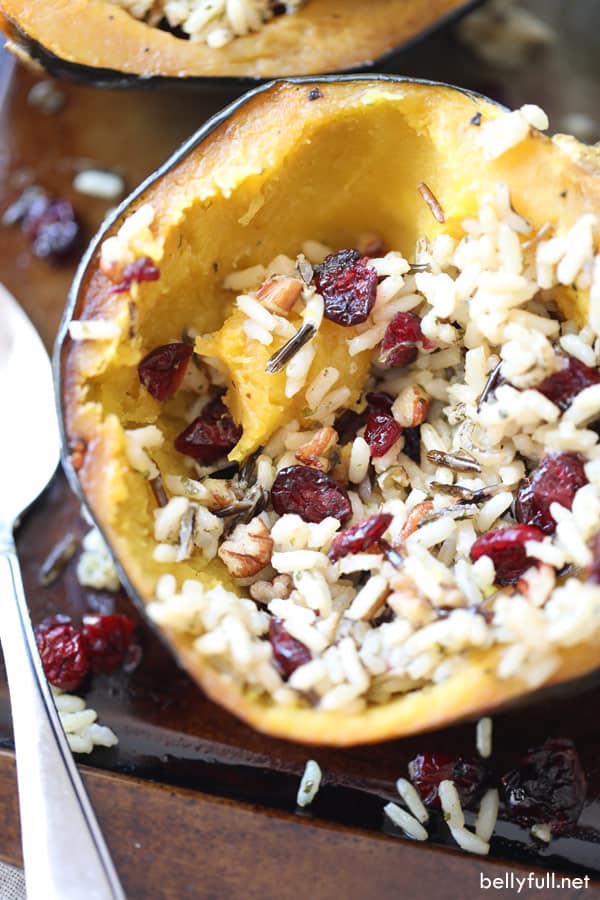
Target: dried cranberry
348,285
162,370
556,480
309,493
347,424
107,640
506,548
51,226
594,570
379,401
52,621
547,787
63,654
211,435
381,432
428,770
563,386
360,536
402,339
289,653
141,269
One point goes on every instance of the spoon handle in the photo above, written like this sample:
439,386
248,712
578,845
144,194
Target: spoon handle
64,851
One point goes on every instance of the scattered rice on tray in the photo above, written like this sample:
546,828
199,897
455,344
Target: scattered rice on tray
82,731
409,825
309,784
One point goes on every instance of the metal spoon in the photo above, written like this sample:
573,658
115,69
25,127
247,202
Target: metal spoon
63,849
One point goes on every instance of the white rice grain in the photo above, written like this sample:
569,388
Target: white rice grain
484,737
487,815
245,279
468,841
360,457
309,784
320,385
451,806
412,799
409,825
542,833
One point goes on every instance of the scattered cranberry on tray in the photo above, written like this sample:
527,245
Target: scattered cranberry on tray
212,435
360,536
563,386
402,339
348,285
63,653
309,493
161,371
506,548
547,787
428,770
51,227
289,654
107,640
556,480
142,269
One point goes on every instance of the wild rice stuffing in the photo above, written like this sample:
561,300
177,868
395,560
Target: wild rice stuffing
212,22
454,508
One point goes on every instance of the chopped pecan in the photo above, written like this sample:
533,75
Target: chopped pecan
318,451
537,584
278,589
112,268
413,520
77,450
411,406
409,605
279,293
248,550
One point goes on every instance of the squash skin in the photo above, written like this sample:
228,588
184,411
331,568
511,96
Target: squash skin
109,48
437,114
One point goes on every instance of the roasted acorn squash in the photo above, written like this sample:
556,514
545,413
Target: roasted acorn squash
101,43
271,171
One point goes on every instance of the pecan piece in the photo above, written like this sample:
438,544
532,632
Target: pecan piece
318,451
411,406
248,549
265,591
413,520
279,293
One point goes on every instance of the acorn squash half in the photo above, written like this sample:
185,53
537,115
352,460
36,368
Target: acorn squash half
269,172
100,43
